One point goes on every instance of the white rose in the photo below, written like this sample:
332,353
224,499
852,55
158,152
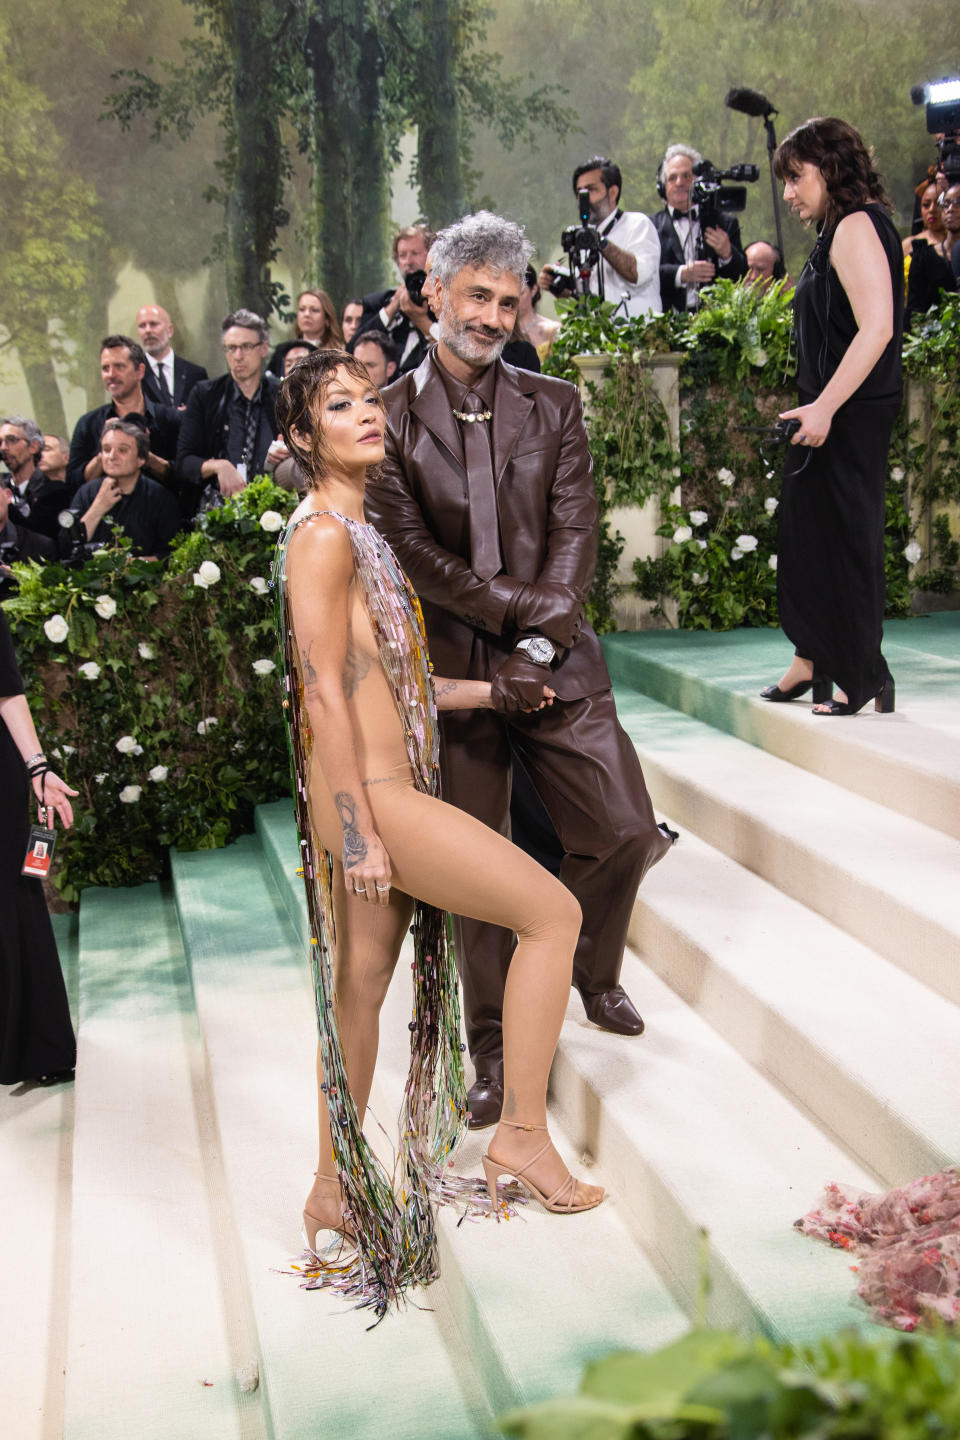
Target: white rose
263,667
101,777
106,607
145,651
69,749
126,745
258,585
772,562
56,629
207,724
138,750
747,543
698,517
130,794
90,671
682,534
897,473
158,773
702,544
736,553
913,552
770,504
697,579
207,575
271,520
725,476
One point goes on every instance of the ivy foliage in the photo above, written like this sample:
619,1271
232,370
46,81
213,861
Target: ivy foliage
160,700
713,1385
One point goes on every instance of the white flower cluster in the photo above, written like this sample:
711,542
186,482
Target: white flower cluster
207,575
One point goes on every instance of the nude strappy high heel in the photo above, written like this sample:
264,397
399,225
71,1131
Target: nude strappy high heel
561,1202
312,1225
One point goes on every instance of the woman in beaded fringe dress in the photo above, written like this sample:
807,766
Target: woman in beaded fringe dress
848,313
380,847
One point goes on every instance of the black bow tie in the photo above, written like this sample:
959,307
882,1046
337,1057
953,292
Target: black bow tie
680,214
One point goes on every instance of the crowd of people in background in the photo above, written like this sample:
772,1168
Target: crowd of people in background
170,442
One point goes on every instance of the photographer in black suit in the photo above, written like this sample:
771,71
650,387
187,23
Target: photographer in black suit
407,322
688,258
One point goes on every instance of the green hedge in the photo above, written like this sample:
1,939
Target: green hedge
156,690
737,375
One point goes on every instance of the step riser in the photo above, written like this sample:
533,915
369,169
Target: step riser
882,1139
904,936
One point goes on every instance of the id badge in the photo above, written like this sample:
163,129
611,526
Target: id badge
39,852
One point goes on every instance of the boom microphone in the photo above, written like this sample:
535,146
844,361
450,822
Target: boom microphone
749,102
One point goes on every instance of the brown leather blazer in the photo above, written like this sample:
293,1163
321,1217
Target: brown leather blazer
546,505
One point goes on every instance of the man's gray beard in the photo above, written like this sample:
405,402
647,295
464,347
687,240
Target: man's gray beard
460,343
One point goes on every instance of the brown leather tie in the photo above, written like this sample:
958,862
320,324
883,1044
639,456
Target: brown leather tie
485,557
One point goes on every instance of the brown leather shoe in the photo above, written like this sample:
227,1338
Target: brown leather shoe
485,1096
613,1010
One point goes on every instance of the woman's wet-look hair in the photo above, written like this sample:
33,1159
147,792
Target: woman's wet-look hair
299,407
843,159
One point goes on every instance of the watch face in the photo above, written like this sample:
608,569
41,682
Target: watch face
540,650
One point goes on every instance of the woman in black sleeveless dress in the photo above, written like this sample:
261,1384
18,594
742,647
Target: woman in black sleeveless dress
849,321
36,1034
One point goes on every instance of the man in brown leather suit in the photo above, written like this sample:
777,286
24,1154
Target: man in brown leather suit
495,521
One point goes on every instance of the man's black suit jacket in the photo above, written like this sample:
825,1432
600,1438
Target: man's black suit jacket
674,297
162,422
206,427
41,505
185,376
399,331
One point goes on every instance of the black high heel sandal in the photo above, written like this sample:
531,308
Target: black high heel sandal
884,703
822,691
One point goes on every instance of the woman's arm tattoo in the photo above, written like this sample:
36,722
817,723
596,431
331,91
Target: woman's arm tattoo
446,688
354,845
355,666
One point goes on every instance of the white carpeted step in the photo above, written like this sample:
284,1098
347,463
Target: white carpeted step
36,1153
886,879
692,1138
908,761
154,1335
870,1051
322,1372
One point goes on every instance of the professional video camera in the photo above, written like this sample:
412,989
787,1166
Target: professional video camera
942,99
581,245
714,199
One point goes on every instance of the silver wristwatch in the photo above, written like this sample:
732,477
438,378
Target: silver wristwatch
541,651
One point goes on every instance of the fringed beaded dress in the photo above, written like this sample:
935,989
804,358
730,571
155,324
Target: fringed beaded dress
393,1216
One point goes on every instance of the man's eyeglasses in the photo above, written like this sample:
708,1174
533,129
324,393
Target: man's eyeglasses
243,348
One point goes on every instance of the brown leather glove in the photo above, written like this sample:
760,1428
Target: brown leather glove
549,609
518,684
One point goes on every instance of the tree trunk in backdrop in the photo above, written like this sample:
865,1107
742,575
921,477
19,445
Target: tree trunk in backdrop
436,108
351,181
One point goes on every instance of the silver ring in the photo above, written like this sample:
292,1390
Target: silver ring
382,888
360,889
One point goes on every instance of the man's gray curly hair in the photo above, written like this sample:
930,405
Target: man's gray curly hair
478,240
